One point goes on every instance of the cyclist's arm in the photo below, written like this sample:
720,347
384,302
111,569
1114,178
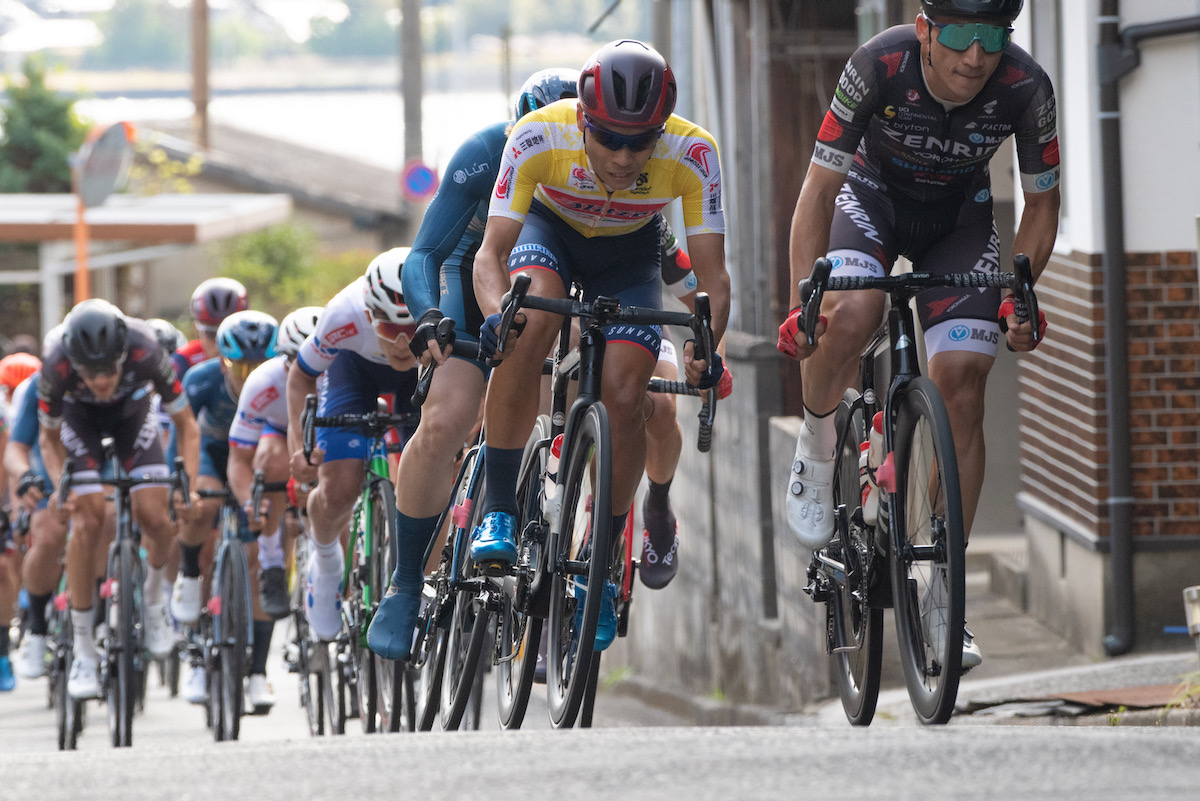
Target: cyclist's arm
491,262
299,385
1039,228
239,472
54,453
811,222
187,439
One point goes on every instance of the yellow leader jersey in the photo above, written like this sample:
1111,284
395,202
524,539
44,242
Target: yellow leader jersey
544,159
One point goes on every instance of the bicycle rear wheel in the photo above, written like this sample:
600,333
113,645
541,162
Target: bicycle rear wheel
520,631
854,625
122,642
393,687
927,553
464,652
579,558
66,709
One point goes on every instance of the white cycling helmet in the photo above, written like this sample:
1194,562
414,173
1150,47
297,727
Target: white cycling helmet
382,292
296,327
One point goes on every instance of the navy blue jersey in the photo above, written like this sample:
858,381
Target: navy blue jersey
211,399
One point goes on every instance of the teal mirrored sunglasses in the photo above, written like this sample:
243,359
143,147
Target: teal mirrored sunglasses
992,38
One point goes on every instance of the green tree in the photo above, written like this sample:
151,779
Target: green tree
365,32
141,33
41,132
283,269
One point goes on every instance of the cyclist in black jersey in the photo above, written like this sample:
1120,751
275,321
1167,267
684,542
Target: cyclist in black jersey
900,168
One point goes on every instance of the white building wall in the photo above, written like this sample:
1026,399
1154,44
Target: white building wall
1160,132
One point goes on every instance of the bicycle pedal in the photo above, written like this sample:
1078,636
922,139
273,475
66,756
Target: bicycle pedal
494,569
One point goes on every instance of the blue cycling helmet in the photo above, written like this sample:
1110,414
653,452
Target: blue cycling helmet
545,87
247,336
996,9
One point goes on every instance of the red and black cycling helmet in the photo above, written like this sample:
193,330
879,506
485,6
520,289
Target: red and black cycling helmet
993,9
216,299
627,82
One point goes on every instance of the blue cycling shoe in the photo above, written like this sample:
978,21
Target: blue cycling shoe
394,623
494,541
606,625
8,682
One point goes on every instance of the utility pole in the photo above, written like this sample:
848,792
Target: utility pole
200,72
410,76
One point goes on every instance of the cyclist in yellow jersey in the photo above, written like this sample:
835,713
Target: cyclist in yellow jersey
577,199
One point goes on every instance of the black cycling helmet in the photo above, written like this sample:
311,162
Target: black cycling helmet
216,299
247,336
169,337
996,9
544,87
95,335
627,82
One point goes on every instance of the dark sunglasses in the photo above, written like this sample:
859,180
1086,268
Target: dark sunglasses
960,37
615,141
388,331
91,371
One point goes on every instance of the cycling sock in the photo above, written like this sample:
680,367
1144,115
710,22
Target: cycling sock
658,517
37,613
328,556
412,538
82,621
822,432
4,641
618,524
189,562
500,469
152,589
263,629
270,550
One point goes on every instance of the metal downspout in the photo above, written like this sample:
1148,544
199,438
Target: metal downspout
1119,639
1117,57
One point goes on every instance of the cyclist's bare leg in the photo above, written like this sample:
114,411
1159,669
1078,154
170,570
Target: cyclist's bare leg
84,548
428,463
149,506
332,501
627,370
961,379
511,408
852,317
47,543
664,439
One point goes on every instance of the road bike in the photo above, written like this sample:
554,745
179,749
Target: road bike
360,680
123,657
568,555
910,557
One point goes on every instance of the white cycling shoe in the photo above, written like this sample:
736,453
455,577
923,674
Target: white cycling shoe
160,637
83,682
185,600
810,496
195,686
31,661
259,698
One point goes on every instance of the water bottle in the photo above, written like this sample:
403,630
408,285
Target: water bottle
550,501
870,456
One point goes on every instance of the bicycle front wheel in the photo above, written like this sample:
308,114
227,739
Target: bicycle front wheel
579,557
927,553
854,626
122,642
232,630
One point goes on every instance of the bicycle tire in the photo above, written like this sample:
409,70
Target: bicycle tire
520,631
233,624
389,675
579,555
927,544
361,601
122,642
64,706
464,651
854,625
428,691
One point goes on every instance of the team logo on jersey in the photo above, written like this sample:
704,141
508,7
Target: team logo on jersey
698,155
1012,75
1050,153
338,334
504,185
831,129
912,95
989,108
581,178
983,195
892,61
264,399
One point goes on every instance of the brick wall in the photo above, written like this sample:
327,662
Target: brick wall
1064,420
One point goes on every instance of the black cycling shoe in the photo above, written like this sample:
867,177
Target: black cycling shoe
273,594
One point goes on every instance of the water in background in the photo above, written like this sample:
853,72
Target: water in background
365,125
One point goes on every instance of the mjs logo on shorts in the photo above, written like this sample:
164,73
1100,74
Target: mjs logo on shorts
961,333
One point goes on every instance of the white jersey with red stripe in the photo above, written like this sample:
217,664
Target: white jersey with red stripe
263,402
344,326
